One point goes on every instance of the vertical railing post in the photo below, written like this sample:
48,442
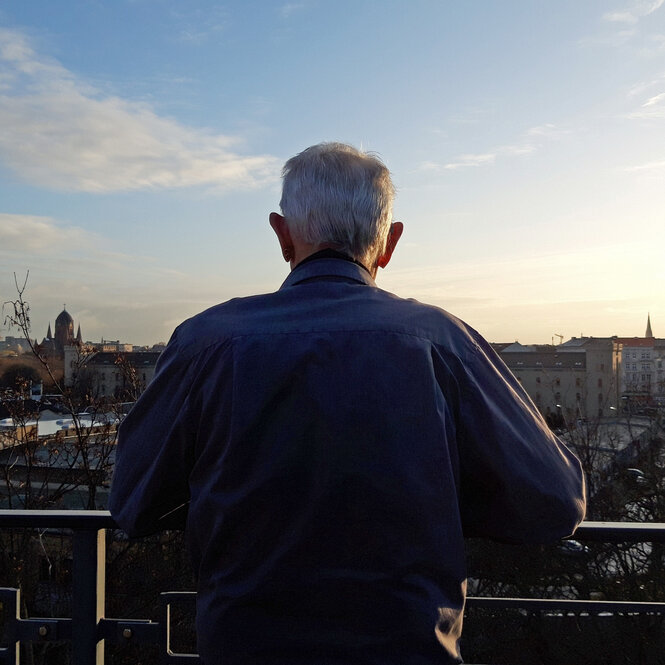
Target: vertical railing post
88,591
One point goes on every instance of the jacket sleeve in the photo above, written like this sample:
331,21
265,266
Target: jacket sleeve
519,482
154,454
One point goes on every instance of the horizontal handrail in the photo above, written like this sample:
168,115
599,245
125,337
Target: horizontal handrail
594,607
621,532
608,532
88,628
57,519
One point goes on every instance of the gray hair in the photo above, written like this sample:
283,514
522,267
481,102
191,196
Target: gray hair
334,194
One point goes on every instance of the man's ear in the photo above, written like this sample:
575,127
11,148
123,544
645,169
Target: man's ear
395,233
280,227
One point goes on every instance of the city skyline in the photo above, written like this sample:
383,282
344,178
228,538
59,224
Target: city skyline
142,140
556,338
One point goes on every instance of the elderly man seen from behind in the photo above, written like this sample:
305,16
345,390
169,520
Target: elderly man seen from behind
329,446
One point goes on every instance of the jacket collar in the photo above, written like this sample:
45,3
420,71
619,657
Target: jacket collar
327,267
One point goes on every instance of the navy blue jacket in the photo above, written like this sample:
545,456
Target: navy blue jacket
333,444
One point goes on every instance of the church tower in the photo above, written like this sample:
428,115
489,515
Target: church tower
64,331
648,333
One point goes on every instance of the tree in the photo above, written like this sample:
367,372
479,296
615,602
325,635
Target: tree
18,377
63,469
624,461
79,454
68,469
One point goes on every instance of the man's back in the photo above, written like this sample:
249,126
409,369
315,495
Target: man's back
335,442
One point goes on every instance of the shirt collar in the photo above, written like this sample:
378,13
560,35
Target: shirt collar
322,267
329,253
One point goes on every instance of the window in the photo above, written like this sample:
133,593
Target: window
557,382
538,379
600,383
578,382
600,398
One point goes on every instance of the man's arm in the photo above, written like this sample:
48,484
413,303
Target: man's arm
154,453
519,482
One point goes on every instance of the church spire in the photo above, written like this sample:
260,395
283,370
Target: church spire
78,334
648,333
48,334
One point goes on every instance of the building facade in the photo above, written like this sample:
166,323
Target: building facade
569,381
642,375
107,374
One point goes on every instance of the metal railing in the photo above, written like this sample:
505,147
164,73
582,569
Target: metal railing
88,629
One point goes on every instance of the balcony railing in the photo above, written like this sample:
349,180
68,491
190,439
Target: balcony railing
88,629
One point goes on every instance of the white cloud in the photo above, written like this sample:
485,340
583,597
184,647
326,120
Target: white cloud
430,166
30,233
652,109
650,168
517,149
61,133
464,161
620,17
641,87
112,294
548,129
654,100
634,11
526,145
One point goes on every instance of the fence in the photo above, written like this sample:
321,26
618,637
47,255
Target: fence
88,629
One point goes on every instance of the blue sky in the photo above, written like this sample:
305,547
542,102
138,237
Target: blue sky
141,143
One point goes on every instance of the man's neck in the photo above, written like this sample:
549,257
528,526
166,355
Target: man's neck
329,253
